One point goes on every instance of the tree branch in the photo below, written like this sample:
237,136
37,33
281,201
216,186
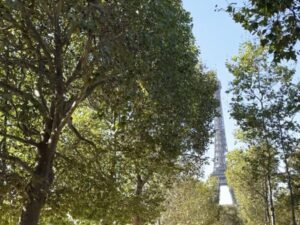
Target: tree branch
81,62
38,37
30,27
24,141
17,161
25,95
78,135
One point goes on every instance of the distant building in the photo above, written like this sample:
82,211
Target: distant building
220,147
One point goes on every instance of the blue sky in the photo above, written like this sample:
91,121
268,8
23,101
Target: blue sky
218,39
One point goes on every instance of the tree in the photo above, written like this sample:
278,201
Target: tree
140,148
295,171
229,215
195,202
54,63
283,200
295,165
55,54
250,107
192,202
285,129
246,173
265,103
274,22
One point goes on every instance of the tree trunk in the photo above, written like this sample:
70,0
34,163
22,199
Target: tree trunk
38,188
269,185
136,220
266,199
289,177
271,203
290,187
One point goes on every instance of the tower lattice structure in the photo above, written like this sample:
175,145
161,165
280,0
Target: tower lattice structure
220,147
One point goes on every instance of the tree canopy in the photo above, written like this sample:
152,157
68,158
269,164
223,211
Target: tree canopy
102,102
276,23
106,114
265,104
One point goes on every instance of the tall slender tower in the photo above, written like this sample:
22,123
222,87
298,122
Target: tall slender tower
220,146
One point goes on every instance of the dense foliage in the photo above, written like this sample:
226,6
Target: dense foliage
194,202
247,175
276,23
265,104
102,103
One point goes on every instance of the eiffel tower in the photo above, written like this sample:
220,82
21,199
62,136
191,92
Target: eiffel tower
220,148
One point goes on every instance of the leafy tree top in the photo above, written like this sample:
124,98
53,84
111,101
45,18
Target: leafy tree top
276,23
